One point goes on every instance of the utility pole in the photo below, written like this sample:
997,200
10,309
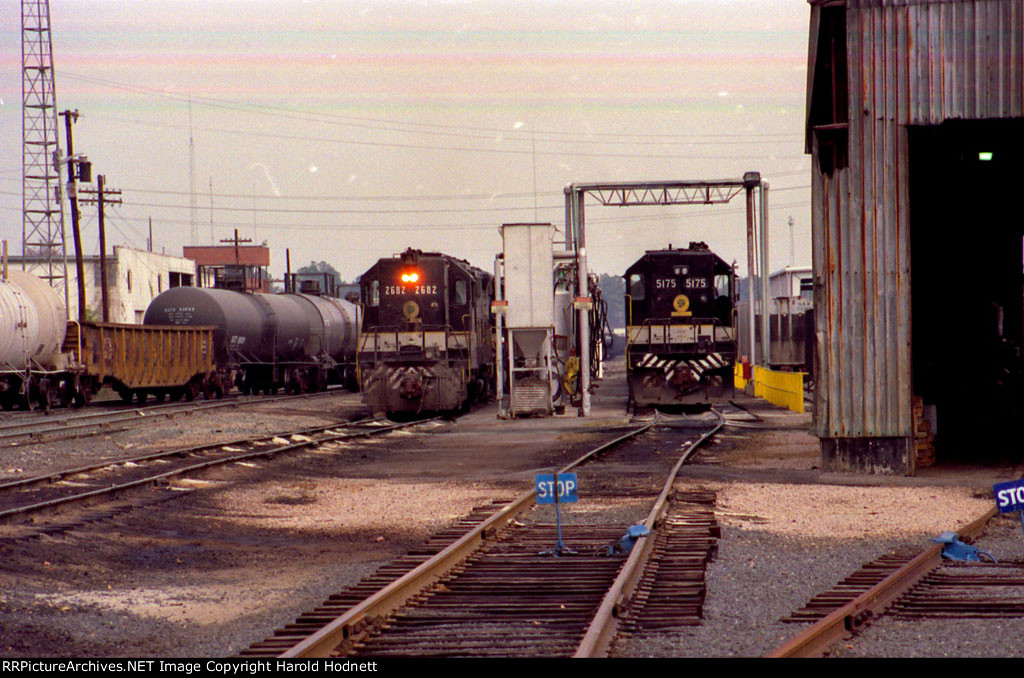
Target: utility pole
78,169
792,256
102,200
211,210
192,178
237,241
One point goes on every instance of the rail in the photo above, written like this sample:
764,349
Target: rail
818,638
82,423
325,433
598,638
358,620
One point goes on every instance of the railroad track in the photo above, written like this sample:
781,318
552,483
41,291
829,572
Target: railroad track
24,501
491,586
958,590
35,427
907,584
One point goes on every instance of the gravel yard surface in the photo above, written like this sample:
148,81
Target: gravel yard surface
890,637
791,532
29,458
222,563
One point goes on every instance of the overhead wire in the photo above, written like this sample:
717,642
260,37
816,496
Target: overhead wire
666,216
528,151
417,127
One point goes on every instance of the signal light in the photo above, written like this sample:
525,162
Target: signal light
410,277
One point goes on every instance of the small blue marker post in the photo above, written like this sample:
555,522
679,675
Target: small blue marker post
557,490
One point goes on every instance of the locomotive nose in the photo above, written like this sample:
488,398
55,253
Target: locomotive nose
411,386
683,377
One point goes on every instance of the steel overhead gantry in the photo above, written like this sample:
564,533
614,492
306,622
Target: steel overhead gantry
630,194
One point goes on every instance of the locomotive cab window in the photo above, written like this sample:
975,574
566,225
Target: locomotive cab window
373,293
722,286
723,298
461,293
636,287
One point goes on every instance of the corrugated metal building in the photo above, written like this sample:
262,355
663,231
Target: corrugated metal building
914,115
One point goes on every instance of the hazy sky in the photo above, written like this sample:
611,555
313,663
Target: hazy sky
348,130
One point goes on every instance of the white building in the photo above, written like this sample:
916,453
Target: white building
134,279
791,281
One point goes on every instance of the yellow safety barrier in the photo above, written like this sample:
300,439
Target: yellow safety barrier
785,389
737,377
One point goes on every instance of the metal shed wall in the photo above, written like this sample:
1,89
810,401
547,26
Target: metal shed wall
908,62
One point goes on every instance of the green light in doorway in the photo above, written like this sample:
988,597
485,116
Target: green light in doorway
985,155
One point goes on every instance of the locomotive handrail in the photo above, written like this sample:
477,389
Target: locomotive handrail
448,331
629,323
650,323
467,322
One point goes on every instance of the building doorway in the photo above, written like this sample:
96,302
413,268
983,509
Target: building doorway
967,287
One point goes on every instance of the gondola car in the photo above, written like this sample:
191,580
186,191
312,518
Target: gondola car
426,344
680,337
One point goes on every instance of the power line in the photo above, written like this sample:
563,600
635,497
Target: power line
395,198
274,198
668,215
414,127
463,149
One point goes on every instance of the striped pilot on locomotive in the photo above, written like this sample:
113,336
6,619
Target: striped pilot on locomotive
427,337
680,336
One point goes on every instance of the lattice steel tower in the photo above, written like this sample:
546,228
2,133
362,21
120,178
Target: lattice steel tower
42,243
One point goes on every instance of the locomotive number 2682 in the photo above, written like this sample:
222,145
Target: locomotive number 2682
417,289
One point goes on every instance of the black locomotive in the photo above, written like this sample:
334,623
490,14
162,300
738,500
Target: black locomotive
427,339
680,338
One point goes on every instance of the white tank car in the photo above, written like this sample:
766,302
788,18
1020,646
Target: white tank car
33,322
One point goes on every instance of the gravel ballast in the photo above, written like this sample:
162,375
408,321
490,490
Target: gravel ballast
226,562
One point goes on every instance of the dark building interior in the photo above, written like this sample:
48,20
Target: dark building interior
967,297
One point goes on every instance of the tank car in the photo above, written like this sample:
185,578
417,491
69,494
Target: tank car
680,339
48,361
426,344
32,366
299,342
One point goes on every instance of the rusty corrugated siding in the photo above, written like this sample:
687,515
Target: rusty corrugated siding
909,62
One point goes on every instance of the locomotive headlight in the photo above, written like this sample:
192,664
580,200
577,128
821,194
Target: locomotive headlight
410,276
